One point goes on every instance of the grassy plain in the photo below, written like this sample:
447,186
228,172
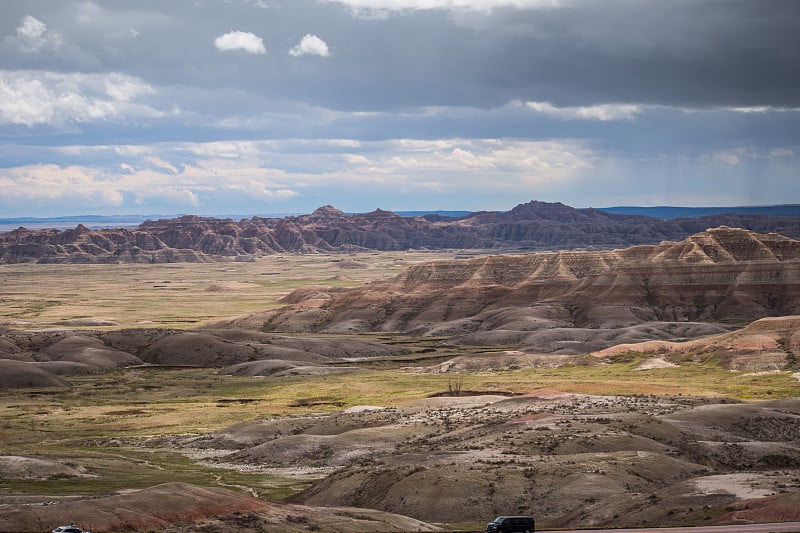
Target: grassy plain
119,424
178,295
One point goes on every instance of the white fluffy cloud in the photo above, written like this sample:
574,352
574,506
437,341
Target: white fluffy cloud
42,97
31,28
294,175
196,175
33,36
140,183
507,163
42,184
602,112
240,40
310,45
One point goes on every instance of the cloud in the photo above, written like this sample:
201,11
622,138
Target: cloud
254,188
263,4
384,6
602,112
240,40
463,105
482,53
730,158
174,195
459,163
146,183
31,28
42,97
194,174
160,163
298,175
764,109
310,45
124,88
33,36
781,152
48,183
357,159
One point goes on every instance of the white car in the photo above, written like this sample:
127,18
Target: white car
69,529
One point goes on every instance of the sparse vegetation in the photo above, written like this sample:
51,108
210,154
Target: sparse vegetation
180,295
134,428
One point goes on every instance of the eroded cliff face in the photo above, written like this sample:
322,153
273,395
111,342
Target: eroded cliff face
531,226
769,343
723,274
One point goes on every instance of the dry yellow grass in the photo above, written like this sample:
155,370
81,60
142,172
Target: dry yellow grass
179,295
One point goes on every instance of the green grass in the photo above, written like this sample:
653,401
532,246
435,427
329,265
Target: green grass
116,468
140,402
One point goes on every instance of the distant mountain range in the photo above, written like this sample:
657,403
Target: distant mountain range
669,212
662,212
533,226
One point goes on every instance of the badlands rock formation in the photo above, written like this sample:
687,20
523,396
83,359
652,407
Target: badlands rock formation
572,460
531,226
766,344
43,359
568,301
563,303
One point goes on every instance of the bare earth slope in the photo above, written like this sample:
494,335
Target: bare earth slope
571,460
531,226
568,302
184,507
769,343
40,359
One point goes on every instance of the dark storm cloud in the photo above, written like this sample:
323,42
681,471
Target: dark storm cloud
693,53
680,53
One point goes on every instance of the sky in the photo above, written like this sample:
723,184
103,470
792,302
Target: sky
241,107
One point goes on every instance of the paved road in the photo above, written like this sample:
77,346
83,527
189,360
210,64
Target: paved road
741,528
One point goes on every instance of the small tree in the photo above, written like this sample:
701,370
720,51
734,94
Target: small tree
454,387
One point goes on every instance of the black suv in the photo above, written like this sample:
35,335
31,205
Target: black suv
511,524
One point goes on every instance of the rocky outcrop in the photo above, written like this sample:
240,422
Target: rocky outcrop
573,461
531,226
723,274
771,343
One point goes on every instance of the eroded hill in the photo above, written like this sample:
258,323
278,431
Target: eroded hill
571,460
567,302
561,303
530,226
42,359
185,507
